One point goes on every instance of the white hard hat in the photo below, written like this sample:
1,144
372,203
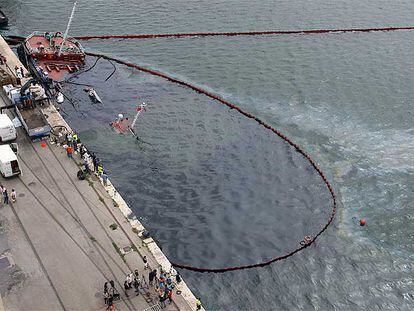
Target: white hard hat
121,116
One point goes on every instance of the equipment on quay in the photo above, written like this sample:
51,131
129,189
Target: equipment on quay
93,96
59,98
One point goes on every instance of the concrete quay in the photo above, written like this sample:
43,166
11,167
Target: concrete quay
57,248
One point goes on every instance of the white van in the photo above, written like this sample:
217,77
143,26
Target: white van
7,129
9,165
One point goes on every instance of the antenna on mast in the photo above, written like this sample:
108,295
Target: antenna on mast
67,28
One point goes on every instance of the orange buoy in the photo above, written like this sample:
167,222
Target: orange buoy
43,144
362,222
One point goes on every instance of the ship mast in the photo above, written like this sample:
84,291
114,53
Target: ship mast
139,110
67,29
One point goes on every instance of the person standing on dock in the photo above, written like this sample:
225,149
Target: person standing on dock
130,280
75,142
69,139
5,196
137,281
1,193
198,303
145,260
69,151
151,276
178,278
169,295
104,178
126,287
13,195
105,293
99,169
94,161
19,75
162,300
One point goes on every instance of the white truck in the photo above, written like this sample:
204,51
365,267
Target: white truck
32,119
9,164
7,129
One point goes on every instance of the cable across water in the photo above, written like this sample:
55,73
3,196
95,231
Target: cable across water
308,240
14,40
242,33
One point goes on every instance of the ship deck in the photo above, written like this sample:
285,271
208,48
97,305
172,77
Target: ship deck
37,41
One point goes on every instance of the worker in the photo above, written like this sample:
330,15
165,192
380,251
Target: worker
69,151
69,139
104,179
198,303
3,60
19,75
100,169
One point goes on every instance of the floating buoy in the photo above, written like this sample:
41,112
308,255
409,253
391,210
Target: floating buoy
362,222
306,240
43,144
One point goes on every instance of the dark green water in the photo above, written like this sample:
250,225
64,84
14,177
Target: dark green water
218,190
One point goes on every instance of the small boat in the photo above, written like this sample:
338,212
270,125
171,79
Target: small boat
59,98
94,97
4,21
121,125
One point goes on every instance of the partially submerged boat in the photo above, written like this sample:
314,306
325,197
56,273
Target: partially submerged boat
4,21
123,125
51,55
